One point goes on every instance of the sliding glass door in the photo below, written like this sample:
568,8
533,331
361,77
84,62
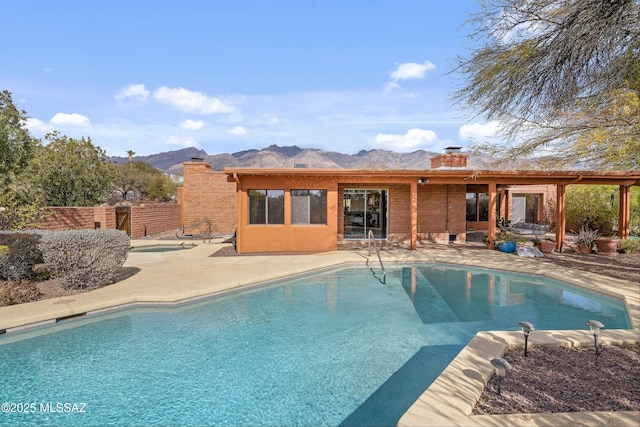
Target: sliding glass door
365,210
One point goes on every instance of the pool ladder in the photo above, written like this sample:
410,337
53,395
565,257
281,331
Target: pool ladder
371,238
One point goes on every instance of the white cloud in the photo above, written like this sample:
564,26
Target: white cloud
38,126
135,92
479,131
192,102
412,140
192,124
406,71
411,70
47,69
63,119
238,130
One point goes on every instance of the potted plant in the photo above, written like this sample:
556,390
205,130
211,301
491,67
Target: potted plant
547,245
585,239
507,241
608,245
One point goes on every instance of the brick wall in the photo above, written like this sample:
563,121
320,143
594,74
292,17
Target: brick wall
207,195
153,219
441,212
106,216
449,160
65,218
157,218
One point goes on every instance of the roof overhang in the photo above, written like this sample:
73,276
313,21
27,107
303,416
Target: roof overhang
449,176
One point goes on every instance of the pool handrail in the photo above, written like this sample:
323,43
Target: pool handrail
371,237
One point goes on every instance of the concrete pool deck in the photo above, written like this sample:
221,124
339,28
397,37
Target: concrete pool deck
174,276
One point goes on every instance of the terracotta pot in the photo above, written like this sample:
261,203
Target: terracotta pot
584,249
607,246
547,247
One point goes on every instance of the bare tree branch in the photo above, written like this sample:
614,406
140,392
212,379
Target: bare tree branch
559,75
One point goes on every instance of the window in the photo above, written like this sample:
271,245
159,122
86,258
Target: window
472,211
266,206
477,207
308,207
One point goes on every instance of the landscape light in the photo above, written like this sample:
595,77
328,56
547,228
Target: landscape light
502,367
595,327
527,327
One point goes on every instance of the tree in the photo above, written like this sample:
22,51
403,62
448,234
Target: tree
130,153
19,203
145,181
16,144
73,172
562,77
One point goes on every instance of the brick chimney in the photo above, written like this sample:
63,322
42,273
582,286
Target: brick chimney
451,159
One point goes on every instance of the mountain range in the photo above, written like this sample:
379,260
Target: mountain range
288,157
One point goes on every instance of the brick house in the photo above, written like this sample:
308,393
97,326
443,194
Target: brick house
313,210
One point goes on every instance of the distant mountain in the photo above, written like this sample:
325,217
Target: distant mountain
286,157
167,160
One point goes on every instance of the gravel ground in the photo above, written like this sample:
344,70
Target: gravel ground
566,380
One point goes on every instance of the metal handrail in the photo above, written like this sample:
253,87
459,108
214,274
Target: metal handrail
370,238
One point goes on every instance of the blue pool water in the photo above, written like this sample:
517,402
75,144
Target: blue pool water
332,348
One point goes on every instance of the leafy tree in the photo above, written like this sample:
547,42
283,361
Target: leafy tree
72,172
162,188
144,181
19,204
16,144
561,76
600,212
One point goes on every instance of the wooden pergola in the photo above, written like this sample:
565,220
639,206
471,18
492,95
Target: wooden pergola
561,179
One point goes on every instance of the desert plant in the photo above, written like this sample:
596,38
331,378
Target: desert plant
20,256
586,236
84,258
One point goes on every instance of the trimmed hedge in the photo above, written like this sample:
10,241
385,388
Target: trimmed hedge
84,258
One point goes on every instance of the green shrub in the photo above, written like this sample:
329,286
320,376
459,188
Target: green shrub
84,258
597,207
592,206
20,255
629,246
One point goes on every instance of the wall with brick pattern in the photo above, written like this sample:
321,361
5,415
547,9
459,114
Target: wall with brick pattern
153,219
207,195
157,218
65,218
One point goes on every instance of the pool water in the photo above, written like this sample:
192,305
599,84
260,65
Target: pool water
332,348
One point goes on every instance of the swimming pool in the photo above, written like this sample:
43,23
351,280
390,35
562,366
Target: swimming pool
328,348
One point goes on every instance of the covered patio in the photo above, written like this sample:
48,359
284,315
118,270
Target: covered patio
310,210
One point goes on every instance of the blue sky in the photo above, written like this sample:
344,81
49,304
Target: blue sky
226,76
